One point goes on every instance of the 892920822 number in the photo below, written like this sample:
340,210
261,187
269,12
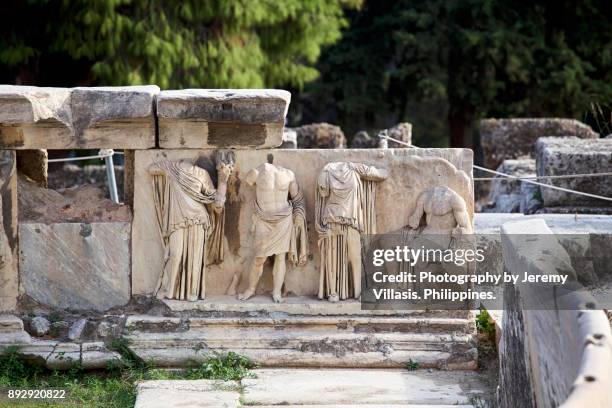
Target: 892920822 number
36,394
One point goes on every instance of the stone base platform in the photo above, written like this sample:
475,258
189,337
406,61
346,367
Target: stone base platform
304,332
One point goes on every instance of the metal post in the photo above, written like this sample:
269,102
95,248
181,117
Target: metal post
110,174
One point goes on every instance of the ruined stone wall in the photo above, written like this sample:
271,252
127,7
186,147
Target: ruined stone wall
79,251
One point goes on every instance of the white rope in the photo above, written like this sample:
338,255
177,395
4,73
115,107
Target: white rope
103,153
567,190
563,176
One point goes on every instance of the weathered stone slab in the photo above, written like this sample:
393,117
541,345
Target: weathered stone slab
77,266
221,118
8,231
361,387
556,156
77,118
188,394
503,139
411,171
278,340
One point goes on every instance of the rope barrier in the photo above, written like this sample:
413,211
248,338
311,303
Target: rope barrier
102,154
563,176
526,180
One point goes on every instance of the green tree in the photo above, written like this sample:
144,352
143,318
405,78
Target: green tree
188,43
469,59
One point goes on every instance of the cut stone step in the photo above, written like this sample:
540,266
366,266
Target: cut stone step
292,387
308,341
293,305
187,394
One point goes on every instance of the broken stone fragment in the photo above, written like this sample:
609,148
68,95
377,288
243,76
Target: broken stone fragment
320,136
40,326
76,330
77,118
222,118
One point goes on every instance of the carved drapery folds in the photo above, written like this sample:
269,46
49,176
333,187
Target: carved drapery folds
190,215
345,208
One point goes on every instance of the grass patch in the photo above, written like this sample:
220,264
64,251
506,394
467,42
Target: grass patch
412,365
114,387
485,324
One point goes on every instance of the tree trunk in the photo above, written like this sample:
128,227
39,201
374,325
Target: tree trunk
460,127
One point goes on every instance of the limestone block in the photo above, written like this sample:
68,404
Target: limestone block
320,136
8,231
411,171
77,118
221,118
557,156
188,394
503,139
77,266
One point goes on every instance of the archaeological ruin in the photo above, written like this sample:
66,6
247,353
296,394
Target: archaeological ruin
224,240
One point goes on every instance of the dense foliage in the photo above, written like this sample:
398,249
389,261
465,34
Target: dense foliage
188,43
411,59
439,64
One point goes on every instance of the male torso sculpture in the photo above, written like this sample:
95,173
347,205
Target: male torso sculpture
278,227
445,212
345,209
190,217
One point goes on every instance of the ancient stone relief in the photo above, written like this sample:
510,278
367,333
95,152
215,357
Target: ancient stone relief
445,212
278,226
345,208
190,216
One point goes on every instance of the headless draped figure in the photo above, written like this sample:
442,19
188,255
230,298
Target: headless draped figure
345,204
190,216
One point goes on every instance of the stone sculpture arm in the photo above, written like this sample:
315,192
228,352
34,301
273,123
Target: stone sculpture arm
294,188
370,172
223,170
461,215
415,218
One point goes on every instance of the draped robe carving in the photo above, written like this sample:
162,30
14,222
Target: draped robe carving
190,217
345,208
